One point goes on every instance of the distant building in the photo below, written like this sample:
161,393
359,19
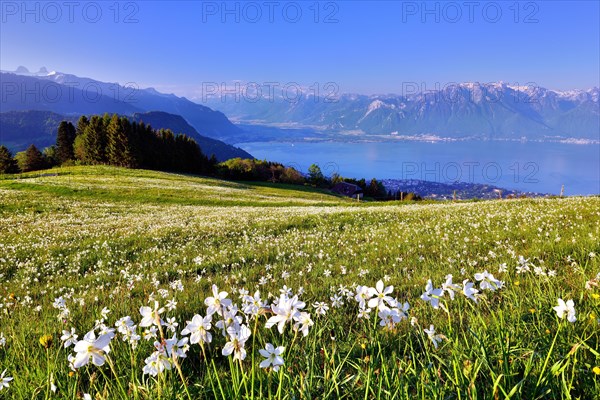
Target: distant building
348,189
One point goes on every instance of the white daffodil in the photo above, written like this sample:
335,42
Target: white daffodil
171,324
362,295
285,310
124,325
156,363
469,291
321,308
171,305
92,347
150,333
380,295
105,311
436,339
389,317
303,323
363,313
567,307
236,343
69,337
431,295
151,316
198,329
4,380
272,356
450,287
216,301
252,304
487,281
230,318
178,347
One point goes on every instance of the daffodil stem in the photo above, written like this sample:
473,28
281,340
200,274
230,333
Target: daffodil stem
244,377
178,367
114,371
218,380
47,374
208,372
548,356
253,347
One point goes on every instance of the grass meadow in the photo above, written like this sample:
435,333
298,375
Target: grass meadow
129,284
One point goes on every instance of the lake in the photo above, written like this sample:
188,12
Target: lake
526,166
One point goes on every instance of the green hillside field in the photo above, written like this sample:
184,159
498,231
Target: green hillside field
358,294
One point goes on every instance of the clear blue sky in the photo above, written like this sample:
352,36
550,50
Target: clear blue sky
372,48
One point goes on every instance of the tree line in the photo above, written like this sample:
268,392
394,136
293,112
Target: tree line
112,140
115,140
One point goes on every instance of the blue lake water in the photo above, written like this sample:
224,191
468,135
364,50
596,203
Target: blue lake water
526,166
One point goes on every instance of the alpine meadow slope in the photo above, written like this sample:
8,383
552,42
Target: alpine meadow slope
132,284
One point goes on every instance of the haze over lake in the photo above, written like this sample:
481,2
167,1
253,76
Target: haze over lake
527,166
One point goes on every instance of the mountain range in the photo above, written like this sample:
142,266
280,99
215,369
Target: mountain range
492,111
31,104
496,111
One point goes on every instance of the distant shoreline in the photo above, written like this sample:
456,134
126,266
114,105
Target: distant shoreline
322,134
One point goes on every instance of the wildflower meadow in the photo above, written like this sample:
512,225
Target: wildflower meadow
125,284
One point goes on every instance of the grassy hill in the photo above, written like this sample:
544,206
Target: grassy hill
84,247
142,187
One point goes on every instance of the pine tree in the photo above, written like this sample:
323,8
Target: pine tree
8,165
65,139
118,151
82,123
94,141
33,160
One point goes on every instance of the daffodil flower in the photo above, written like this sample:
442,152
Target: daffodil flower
4,380
198,329
151,316
236,343
92,348
469,291
567,307
272,356
380,295
218,300
431,295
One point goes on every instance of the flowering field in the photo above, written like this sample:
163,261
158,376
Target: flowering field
122,284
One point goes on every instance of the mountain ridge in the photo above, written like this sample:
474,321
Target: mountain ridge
69,94
49,97
461,111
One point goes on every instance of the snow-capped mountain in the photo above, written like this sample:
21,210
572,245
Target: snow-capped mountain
32,104
467,110
69,94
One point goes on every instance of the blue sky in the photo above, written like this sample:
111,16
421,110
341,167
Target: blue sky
364,47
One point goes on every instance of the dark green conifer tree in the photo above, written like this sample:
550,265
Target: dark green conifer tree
118,151
8,165
94,141
33,160
65,138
